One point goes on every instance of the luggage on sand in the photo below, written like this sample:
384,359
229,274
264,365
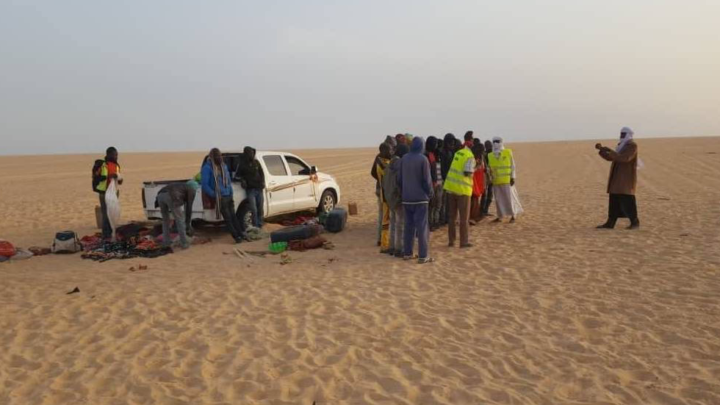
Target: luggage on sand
336,220
66,242
7,249
294,233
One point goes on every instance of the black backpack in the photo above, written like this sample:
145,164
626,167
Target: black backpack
96,177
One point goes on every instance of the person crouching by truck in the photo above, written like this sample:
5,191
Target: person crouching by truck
217,185
252,178
177,199
105,171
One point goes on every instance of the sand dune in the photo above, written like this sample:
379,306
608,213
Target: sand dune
547,311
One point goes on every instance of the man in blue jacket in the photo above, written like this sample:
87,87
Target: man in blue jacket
415,182
217,185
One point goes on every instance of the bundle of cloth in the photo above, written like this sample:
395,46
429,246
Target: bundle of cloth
144,247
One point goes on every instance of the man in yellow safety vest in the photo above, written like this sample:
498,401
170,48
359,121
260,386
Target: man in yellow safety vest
459,188
104,172
502,167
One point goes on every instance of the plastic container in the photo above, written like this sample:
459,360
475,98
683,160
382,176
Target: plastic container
278,247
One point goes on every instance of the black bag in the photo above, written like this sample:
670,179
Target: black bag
294,233
66,242
336,220
96,177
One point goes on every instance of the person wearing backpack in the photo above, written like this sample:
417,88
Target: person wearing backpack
104,172
392,193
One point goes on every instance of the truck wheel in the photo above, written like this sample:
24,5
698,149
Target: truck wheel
244,215
327,202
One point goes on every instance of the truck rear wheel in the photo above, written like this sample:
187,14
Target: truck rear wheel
244,215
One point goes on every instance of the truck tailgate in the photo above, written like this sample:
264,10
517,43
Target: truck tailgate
150,192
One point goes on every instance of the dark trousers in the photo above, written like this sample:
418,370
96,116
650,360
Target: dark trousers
486,200
256,204
166,208
445,213
106,228
416,223
622,206
227,209
460,211
475,210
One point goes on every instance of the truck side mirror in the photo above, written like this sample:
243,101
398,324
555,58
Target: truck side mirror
313,170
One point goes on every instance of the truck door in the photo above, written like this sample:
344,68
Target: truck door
305,188
279,185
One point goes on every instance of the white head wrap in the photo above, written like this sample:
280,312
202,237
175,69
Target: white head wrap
498,146
623,141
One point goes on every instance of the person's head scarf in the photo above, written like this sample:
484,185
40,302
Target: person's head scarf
386,150
391,141
488,146
478,151
418,145
401,150
431,144
626,135
449,142
249,153
400,139
458,145
497,146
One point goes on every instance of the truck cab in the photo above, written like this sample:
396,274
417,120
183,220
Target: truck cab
291,185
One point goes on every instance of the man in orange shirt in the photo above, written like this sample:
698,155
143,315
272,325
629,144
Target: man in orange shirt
476,213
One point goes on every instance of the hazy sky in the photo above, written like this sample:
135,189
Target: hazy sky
76,76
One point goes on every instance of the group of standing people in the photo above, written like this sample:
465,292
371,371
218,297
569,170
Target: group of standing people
423,185
176,200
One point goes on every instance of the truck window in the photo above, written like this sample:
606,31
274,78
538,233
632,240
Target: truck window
296,166
275,165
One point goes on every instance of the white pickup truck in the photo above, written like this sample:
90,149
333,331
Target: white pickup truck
291,186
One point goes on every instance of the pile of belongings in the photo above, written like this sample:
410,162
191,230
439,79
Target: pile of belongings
315,242
9,252
301,220
255,234
133,240
300,237
144,247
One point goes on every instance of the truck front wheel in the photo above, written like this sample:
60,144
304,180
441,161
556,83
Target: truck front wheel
327,202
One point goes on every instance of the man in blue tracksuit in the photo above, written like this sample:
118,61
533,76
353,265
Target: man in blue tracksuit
217,185
415,182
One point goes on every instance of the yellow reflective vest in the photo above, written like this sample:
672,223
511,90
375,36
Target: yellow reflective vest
501,167
104,172
457,182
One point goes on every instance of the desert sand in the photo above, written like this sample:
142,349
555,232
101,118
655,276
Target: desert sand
545,311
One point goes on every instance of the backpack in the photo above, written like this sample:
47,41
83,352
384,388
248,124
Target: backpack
66,242
96,177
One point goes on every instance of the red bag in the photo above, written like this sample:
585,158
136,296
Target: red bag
7,249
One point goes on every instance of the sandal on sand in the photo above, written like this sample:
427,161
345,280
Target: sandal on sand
425,260
409,257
